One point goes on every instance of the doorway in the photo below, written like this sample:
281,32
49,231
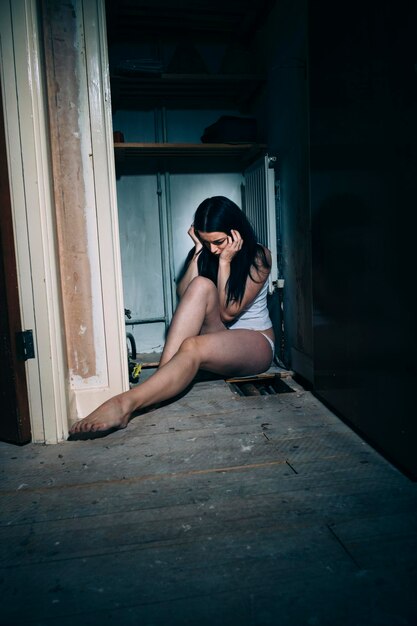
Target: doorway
175,73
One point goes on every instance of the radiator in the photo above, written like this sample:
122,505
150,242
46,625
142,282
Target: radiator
259,207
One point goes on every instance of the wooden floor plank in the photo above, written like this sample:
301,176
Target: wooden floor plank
259,437
194,521
188,570
200,570
169,515
327,600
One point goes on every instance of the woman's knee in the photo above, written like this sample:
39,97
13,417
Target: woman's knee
202,285
192,347
190,344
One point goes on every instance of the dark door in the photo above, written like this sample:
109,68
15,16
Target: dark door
14,419
363,196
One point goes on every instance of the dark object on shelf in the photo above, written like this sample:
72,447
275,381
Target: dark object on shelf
231,129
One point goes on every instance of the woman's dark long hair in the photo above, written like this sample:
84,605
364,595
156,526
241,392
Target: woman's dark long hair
219,214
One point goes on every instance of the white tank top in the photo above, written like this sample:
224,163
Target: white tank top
256,315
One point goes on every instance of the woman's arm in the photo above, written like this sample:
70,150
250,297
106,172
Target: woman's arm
253,285
192,268
190,273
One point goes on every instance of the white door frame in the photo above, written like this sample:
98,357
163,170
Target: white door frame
53,401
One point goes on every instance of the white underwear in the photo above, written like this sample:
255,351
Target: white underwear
271,343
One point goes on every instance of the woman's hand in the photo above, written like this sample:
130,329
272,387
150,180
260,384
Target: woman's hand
197,242
234,244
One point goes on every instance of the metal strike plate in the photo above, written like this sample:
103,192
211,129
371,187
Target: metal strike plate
24,345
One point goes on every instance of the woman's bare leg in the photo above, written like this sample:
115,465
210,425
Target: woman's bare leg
228,352
165,383
197,313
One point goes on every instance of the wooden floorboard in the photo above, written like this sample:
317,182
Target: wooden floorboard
214,509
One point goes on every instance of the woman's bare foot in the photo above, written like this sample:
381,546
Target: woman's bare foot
113,413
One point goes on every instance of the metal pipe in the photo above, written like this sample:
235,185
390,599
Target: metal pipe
150,320
171,263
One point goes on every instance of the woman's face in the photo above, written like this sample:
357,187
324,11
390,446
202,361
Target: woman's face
215,242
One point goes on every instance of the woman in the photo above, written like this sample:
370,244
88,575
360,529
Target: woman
221,323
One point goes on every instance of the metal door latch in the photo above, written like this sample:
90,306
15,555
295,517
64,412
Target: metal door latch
24,345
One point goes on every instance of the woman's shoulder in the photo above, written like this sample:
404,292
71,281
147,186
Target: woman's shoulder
264,256
262,264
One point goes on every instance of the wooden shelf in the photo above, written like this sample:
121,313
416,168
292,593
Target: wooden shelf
187,91
185,157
